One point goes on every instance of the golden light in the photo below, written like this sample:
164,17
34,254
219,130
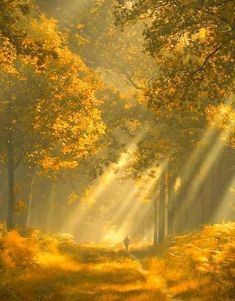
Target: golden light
136,198
103,183
226,207
206,165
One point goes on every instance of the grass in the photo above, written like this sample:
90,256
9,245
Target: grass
196,267
80,273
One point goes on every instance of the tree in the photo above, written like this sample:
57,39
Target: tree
49,110
193,43
95,37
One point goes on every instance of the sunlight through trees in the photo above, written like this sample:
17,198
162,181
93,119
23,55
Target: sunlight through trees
117,142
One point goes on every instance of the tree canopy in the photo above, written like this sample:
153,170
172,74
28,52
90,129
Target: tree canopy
50,115
193,43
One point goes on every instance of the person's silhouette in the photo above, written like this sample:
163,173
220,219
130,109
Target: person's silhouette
126,243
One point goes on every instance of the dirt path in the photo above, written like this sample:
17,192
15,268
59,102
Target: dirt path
148,275
86,274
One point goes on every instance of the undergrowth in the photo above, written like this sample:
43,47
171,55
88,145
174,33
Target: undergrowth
200,265
196,267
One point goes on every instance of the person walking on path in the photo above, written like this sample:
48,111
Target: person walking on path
126,242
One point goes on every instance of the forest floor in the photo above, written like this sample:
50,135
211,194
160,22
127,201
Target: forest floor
84,273
73,272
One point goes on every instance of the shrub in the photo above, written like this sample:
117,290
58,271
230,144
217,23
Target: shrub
207,257
17,251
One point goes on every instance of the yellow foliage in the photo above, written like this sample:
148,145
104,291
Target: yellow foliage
60,96
56,164
21,206
16,251
73,198
198,266
221,116
7,56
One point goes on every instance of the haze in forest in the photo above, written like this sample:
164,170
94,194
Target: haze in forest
150,156
117,150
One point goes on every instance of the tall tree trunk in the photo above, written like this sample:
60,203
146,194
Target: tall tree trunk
162,195
3,200
30,202
156,219
166,203
51,206
11,184
181,208
171,204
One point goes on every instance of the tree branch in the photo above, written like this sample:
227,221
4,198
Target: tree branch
200,68
131,81
3,165
21,157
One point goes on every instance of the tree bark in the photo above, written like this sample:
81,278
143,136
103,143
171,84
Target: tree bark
30,202
51,207
166,203
171,203
11,184
162,195
156,219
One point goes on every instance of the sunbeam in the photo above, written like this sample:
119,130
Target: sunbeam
226,208
136,198
200,165
206,165
103,183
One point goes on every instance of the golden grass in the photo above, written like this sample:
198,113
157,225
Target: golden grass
196,267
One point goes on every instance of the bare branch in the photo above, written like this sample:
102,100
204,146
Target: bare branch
206,60
131,81
21,157
3,165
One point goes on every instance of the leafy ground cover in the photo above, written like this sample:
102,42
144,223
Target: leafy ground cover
197,266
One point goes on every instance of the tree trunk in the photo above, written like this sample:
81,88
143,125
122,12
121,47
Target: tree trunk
11,189
162,195
171,204
166,203
51,207
156,219
30,202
